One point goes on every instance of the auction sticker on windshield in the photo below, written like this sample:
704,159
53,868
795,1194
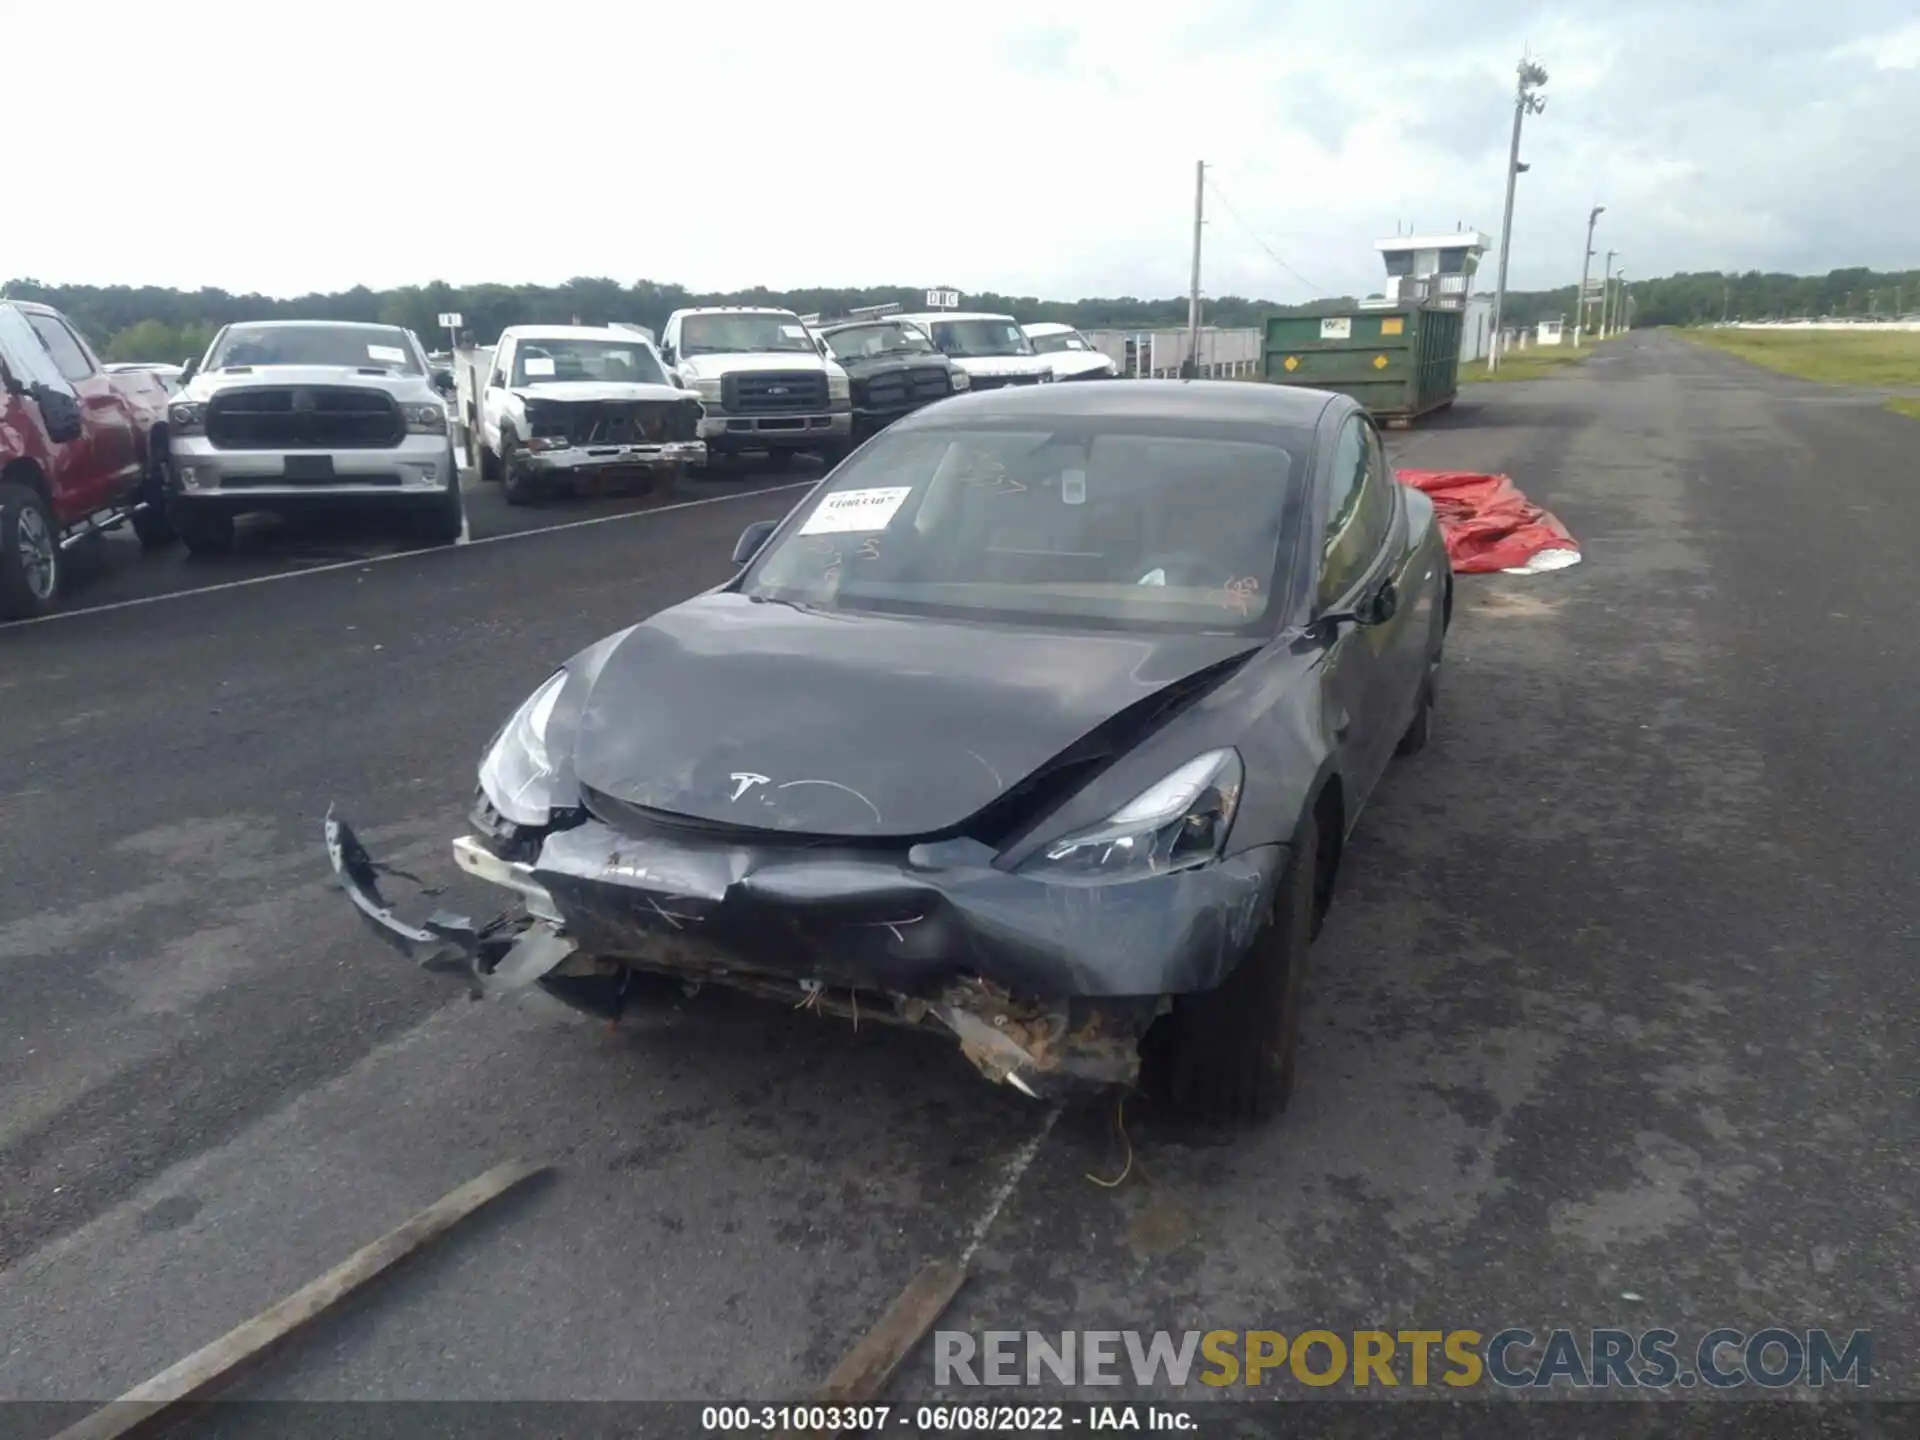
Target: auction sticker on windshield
853,510
392,354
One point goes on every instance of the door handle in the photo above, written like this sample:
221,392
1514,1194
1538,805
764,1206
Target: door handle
1342,723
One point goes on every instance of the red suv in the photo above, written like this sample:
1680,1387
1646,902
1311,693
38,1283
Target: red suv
81,452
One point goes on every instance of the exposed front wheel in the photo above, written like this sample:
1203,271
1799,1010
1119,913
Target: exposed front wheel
516,483
30,560
1230,1052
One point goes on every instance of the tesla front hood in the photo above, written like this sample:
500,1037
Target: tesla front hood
597,390
739,712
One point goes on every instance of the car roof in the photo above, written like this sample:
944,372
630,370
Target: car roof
1228,401
1049,327
735,310
570,332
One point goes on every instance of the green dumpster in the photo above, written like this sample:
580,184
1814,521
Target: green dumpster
1400,363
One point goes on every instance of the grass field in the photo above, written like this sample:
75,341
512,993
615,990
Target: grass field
1528,364
1881,358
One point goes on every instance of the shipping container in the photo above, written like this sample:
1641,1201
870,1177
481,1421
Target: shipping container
1400,362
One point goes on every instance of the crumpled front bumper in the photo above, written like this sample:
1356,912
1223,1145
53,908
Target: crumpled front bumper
587,460
1047,986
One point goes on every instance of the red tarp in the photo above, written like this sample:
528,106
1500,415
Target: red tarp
1489,525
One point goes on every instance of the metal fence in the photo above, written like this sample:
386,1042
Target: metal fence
1160,354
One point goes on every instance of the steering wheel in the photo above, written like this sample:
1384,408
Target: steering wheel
1182,569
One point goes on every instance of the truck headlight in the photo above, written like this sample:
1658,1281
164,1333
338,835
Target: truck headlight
1181,822
961,380
425,419
187,419
707,389
839,388
518,771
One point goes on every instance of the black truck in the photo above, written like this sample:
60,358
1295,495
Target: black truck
892,368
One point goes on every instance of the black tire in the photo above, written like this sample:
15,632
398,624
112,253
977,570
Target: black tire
204,531
443,524
833,454
780,459
1231,1051
489,465
153,526
31,567
1421,730
515,483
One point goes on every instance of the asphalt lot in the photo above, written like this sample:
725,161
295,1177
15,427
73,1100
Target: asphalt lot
1612,1024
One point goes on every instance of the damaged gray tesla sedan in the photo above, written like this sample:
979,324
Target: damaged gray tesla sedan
1041,722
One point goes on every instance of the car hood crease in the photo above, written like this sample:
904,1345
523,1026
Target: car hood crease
856,726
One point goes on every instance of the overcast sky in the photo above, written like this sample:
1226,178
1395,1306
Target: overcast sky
1027,146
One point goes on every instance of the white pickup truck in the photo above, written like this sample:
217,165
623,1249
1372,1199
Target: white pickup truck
573,405
763,380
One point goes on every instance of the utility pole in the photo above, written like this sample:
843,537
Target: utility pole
1586,264
1525,102
1606,292
1192,367
1620,303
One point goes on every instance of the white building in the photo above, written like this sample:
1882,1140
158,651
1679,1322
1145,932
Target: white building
1438,270
1548,332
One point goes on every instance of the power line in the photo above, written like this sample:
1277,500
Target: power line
1254,236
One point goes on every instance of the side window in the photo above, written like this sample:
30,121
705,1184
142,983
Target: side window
502,358
1358,508
68,357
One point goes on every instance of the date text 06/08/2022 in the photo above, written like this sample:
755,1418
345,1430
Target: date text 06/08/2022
923,1419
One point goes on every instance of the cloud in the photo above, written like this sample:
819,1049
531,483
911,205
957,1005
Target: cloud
1032,146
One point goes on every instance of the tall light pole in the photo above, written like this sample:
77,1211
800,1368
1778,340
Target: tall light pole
1586,264
1620,303
1606,292
1192,367
1526,101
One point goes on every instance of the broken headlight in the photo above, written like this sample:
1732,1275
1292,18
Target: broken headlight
518,772
1181,822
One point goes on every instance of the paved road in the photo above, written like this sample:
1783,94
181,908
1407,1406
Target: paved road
1612,1024
114,570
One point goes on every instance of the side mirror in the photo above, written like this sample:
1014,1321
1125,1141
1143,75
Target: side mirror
1375,608
444,382
189,368
752,539
666,354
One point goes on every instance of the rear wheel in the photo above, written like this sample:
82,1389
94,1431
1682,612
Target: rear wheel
152,526
1231,1051
30,561
202,530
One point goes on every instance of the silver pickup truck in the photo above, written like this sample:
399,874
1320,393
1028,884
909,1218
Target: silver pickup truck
293,415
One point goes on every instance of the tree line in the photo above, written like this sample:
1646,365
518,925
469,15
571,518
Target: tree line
154,323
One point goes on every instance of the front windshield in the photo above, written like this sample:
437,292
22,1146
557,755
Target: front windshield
350,347
861,342
980,337
1109,524
744,334
619,362
1054,344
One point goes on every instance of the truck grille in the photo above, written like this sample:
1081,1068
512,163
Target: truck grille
774,392
907,387
307,417
996,382
614,422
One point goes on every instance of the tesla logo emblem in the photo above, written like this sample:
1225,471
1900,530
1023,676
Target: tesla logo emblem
776,390
743,781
